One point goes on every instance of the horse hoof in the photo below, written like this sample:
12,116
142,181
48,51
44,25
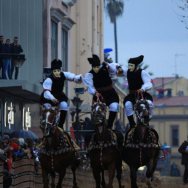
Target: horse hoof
75,186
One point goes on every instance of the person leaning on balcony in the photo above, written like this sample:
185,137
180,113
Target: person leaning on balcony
16,50
138,81
183,149
7,50
1,55
99,83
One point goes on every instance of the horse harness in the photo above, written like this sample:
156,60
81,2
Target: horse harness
103,138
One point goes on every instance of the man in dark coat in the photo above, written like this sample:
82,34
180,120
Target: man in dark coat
1,53
16,50
183,149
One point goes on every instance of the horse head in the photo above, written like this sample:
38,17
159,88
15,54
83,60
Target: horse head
98,114
49,120
141,108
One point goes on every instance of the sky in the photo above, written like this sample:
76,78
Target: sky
151,28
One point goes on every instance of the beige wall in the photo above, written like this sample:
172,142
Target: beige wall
177,85
85,37
163,127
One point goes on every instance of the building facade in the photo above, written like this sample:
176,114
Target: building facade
69,30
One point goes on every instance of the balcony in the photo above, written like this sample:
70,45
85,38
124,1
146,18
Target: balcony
69,2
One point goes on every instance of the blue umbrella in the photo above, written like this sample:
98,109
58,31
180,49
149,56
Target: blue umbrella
24,134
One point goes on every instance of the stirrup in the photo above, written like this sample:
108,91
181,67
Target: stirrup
61,129
75,145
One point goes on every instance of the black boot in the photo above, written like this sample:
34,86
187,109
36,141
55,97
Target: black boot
131,121
112,116
62,118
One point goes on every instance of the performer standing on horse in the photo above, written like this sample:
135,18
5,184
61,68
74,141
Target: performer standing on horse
99,83
139,81
53,86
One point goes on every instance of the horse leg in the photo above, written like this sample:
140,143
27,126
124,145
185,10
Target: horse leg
97,177
150,170
103,183
73,168
61,176
52,174
119,171
45,179
111,174
133,176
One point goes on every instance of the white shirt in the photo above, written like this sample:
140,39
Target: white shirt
88,77
47,84
147,84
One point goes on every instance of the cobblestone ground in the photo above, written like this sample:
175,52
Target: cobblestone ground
86,180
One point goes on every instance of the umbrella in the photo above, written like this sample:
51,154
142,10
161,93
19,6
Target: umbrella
24,134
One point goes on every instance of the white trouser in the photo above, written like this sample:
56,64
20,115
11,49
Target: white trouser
130,111
114,107
62,106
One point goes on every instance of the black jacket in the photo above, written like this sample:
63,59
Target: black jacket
184,153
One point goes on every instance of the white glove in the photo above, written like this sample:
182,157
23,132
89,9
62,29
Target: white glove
78,78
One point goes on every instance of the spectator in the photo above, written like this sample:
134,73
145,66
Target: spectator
7,165
16,50
7,50
183,149
174,171
1,51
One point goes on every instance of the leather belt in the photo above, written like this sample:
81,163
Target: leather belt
107,88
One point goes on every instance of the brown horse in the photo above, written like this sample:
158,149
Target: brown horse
141,146
103,149
57,154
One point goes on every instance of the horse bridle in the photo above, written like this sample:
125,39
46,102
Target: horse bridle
141,106
47,123
99,112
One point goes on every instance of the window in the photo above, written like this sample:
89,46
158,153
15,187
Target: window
64,49
54,45
175,135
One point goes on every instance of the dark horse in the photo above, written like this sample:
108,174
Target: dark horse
57,153
141,146
103,150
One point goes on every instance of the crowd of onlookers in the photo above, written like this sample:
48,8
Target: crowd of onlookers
12,149
10,57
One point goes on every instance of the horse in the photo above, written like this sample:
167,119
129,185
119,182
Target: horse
57,153
103,150
141,146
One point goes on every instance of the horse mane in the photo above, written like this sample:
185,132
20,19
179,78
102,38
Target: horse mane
142,133
54,137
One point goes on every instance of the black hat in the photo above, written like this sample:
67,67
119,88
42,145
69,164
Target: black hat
56,64
94,61
136,60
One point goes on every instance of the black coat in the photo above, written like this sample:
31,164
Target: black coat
184,153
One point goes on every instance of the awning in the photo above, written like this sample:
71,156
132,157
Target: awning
20,90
